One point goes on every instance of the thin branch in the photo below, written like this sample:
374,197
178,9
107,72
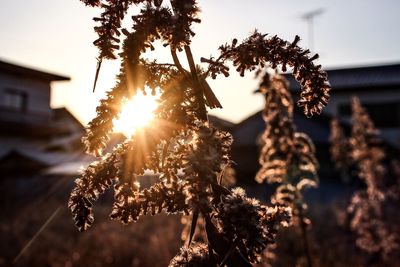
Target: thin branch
177,62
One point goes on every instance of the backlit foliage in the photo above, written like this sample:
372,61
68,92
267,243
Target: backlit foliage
188,154
340,146
195,255
258,50
287,157
371,209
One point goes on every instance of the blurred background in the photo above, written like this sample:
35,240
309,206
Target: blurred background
47,67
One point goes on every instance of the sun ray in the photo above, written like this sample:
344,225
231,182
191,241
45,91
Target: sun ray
33,239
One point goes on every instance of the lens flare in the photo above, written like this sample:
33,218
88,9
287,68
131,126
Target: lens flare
135,114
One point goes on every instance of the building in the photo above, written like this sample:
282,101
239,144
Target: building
33,136
378,88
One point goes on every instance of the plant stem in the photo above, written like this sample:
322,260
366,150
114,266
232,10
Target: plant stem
197,86
177,62
202,110
303,228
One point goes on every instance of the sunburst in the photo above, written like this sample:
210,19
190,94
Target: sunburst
136,113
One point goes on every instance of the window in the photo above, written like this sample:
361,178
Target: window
14,99
384,115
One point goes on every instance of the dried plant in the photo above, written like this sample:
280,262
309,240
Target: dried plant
372,208
339,151
227,179
195,255
180,146
287,157
258,51
339,146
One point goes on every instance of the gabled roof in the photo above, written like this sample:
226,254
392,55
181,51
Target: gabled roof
62,114
29,130
246,133
221,124
10,164
354,78
37,161
63,122
9,68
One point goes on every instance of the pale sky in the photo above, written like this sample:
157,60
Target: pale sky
57,36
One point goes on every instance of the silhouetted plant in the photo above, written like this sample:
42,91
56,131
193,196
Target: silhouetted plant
339,146
227,179
372,208
188,154
287,157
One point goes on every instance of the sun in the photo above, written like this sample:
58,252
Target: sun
136,113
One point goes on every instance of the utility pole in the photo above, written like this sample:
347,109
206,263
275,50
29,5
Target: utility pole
309,18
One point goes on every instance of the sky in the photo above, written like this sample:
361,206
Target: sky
57,36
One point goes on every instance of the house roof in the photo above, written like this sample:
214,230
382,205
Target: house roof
246,133
35,151
10,164
62,114
221,124
42,130
359,78
13,69
62,122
